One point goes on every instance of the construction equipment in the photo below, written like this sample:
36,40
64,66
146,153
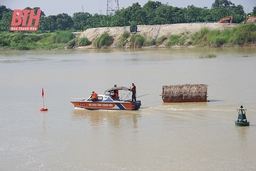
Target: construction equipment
230,19
253,18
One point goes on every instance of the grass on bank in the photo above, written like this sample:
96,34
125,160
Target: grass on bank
137,41
161,39
242,35
103,41
29,41
123,39
238,36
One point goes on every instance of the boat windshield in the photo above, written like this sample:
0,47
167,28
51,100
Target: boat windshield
100,98
124,93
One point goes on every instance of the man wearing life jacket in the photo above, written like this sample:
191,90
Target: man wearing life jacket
94,96
133,89
116,96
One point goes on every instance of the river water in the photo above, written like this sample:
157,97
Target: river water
180,137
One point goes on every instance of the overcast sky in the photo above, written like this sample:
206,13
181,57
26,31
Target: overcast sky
54,7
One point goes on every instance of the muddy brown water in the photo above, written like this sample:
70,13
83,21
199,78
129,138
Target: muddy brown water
159,136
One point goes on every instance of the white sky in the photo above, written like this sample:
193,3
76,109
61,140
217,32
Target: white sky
54,7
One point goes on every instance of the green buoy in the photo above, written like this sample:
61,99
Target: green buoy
241,120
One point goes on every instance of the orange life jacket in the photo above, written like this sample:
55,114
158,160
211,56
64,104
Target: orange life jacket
94,95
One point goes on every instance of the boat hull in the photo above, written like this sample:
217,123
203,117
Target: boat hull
177,100
115,105
242,123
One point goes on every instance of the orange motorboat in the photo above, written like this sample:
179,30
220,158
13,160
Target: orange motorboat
107,101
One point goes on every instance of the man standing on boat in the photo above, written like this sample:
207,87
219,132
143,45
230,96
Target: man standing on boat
133,89
115,93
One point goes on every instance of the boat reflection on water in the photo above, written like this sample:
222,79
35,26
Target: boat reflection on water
110,117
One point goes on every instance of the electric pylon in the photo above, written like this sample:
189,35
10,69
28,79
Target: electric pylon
112,7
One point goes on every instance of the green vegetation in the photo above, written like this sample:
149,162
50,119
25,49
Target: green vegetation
149,42
151,13
83,42
103,41
78,42
179,40
137,41
173,40
242,35
27,41
208,56
61,37
123,39
161,39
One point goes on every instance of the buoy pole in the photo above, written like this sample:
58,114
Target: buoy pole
43,102
43,96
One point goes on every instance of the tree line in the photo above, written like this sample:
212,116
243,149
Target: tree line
152,13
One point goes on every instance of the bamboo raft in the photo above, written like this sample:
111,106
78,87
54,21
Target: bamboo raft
185,93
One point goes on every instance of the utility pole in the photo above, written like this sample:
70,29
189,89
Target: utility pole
112,7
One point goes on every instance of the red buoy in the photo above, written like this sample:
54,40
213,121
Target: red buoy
43,108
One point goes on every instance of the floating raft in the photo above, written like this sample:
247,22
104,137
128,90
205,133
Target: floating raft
185,93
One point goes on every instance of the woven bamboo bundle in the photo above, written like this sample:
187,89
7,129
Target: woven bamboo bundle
185,91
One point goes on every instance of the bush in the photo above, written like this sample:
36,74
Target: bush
149,42
125,35
244,34
22,47
137,41
61,37
123,39
4,40
33,38
71,44
219,41
189,43
173,40
27,41
83,42
103,41
201,38
161,39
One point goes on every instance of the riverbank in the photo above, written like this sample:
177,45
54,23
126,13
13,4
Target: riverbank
150,32
146,36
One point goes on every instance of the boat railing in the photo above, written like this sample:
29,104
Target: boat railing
78,99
